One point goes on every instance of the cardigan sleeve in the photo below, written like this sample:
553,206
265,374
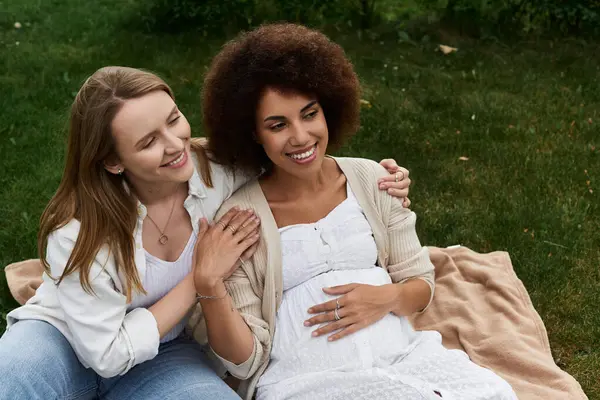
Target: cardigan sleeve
407,258
249,302
249,305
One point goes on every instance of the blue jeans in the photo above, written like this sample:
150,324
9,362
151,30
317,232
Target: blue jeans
37,362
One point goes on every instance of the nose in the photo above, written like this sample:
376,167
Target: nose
300,135
173,143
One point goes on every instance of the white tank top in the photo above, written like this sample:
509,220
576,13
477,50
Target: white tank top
161,277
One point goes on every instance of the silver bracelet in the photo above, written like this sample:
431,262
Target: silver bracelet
201,297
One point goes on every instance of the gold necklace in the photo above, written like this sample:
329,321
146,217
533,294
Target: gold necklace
163,239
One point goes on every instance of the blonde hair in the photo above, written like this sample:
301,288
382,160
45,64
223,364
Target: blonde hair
87,192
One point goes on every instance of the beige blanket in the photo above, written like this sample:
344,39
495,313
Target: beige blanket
480,306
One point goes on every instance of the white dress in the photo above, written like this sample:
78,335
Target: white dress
387,360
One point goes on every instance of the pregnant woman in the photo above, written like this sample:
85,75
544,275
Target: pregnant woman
339,266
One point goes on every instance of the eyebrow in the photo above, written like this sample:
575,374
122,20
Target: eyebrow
280,117
139,142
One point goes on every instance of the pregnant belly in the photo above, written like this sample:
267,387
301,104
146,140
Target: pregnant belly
296,352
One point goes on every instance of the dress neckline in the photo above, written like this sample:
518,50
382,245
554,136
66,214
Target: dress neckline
349,197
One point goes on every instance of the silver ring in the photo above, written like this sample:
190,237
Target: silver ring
336,315
232,228
337,303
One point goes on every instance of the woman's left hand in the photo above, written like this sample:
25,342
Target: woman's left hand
359,306
397,183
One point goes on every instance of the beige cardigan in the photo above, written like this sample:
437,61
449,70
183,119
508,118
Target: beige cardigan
256,288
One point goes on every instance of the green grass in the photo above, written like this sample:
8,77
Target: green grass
525,114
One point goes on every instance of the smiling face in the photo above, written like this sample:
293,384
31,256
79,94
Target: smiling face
292,129
152,140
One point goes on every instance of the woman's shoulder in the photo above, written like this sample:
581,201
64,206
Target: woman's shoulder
67,233
244,197
61,244
363,170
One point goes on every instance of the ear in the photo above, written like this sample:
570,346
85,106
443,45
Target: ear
114,167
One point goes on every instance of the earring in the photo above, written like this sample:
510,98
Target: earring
120,171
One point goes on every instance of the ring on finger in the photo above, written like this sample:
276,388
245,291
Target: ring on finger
223,225
232,228
336,315
402,176
337,304
396,177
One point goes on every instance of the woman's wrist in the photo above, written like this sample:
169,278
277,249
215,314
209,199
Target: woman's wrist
210,286
390,297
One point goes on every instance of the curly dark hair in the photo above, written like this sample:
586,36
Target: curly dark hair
286,57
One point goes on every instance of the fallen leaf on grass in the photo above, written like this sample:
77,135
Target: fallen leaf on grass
447,49
463,158
365,103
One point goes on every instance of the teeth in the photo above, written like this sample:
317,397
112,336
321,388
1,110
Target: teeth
304,155
178,159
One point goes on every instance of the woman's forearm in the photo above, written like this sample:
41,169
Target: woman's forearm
228,334
174,306
410,297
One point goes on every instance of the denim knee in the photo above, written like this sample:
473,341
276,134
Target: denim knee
37,362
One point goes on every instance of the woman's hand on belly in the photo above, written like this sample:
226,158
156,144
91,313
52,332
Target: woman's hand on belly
358,306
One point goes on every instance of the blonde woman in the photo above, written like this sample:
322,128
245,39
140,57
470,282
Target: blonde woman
125,241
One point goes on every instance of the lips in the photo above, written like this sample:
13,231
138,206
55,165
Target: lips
304,153
175,160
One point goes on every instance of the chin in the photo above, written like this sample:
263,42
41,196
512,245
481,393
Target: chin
186,174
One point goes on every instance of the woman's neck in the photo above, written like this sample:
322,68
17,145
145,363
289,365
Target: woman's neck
281,185
151,194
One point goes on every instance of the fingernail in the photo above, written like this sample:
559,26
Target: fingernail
310,310
306,323
330,339
382,186
315,333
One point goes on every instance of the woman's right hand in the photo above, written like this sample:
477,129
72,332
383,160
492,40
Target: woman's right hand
221,246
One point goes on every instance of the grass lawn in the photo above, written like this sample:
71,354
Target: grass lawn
524,117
